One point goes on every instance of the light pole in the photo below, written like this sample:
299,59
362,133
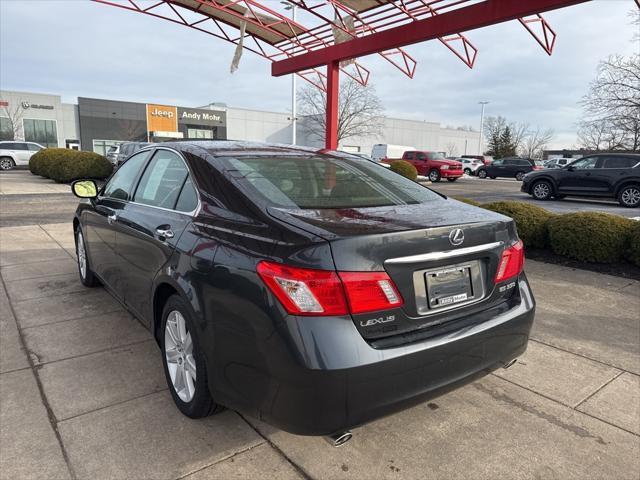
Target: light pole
294,113
481,127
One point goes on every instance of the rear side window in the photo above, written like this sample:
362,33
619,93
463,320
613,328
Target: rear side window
619,162
121,184
162,180
19,146
188,200
322,182
33,147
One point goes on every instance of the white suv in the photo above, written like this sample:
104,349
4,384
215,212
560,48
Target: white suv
16,153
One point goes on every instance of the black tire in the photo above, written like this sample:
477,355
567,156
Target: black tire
467,171
559,197
87,278
482,173
629,196
542,190
201,404
452,179
492,177
6,163
434,175
520,176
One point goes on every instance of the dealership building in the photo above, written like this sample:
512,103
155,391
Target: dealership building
95,124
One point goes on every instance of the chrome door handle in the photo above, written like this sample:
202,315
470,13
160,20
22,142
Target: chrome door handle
164,233
112,218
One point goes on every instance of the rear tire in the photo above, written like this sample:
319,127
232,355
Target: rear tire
434,175
482,173
467,171
452,179
542,190
629,196
492,177
87,277
7,163
184,365
519,176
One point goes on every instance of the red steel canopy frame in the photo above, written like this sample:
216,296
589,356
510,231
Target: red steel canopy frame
345,30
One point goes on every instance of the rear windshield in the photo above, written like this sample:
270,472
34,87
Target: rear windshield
323,182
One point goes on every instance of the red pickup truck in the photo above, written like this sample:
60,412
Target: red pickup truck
434,165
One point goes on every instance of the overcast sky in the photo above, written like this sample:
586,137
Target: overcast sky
80,48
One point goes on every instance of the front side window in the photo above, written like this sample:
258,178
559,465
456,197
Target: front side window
162,180
19,146
421,156
121,184
619,162
497,162
322,183
585,163
43,132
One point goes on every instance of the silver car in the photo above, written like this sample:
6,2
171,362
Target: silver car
14,153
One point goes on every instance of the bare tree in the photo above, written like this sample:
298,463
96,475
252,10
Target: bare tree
359,110
535,142
14,119
599,134
452,149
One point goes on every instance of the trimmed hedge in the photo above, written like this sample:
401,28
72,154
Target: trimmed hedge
64,165
633,254
405,169
590,236
531,221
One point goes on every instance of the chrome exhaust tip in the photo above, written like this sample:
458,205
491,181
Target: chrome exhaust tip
510,364
339,439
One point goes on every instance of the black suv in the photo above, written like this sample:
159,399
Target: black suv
606,175
508,167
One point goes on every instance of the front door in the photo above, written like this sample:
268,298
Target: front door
161,210
580,177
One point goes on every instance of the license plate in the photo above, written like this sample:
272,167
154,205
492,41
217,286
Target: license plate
449,286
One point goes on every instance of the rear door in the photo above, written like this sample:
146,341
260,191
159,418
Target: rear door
21,153
163,204
613,170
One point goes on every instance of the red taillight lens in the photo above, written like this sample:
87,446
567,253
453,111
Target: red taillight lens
370,291
304,291
511,263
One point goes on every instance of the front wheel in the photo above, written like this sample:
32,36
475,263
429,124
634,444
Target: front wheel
184,365
6,163
87,277
467,171
452,179
519,176
482,174
541,190
629,196
434,175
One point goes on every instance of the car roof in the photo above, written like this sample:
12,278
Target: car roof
224,148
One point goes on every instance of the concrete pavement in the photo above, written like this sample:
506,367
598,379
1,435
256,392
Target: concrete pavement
83,396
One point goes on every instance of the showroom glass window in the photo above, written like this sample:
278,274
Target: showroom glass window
6,129
162,181
199,133
43,132
102,146
120,185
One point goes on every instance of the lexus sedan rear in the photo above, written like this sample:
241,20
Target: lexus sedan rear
315,291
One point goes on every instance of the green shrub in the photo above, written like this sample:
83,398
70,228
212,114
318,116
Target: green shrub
405,169
64,165
531,221
590,236
633,253
467,201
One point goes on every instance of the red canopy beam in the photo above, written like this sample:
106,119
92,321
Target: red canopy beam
462,19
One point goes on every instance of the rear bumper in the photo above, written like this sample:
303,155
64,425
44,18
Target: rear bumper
341,381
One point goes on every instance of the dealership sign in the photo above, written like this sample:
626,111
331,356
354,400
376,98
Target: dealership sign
201,117
162,118
26,105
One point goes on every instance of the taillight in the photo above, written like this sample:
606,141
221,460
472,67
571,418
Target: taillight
511,263
370,291
304,291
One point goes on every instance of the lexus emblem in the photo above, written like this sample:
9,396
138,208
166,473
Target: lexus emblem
456,237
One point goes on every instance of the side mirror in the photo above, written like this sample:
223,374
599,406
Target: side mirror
84,189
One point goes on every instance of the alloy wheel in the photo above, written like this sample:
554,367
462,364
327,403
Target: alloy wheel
82,255
541,191
6,164
482,174
178,350
519,176
434,176
631,196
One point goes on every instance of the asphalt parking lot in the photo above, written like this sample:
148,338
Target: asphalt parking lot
83,395
486,190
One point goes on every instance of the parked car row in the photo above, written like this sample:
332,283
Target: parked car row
509,168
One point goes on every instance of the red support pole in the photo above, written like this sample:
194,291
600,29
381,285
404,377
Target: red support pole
333,92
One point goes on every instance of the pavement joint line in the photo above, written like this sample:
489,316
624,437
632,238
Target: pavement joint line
115,404
581,355
565,405
56,241
41,275
118,347
43,397
232,455
598,389
296,467
55,322
15,370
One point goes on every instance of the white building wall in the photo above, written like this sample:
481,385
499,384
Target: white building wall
258,125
